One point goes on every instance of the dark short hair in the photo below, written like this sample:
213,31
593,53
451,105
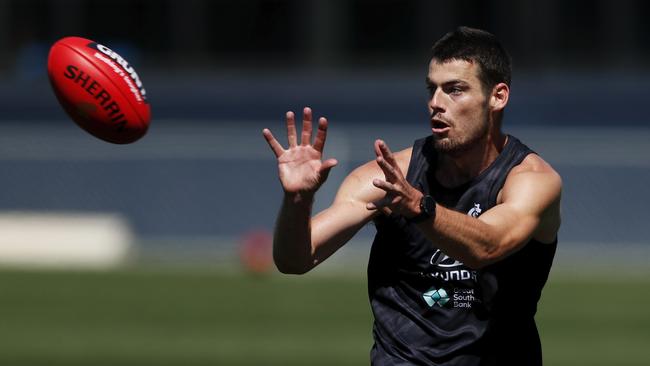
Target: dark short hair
477,46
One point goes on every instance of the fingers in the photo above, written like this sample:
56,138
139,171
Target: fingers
392,173
307,130
321,135
391,202
381,149
291,129
305,136
382,204
392,192
386,161
306,127
273,143
386,186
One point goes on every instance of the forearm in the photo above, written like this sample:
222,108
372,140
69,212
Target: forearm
292,248
461,237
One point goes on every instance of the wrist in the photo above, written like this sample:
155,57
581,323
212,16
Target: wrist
427,209
298,198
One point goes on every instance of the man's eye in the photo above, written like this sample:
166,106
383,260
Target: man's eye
455,91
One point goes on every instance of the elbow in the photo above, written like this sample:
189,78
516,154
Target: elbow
491,252
291,260
482,258
291,268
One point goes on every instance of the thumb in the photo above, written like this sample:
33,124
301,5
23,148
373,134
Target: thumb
326,167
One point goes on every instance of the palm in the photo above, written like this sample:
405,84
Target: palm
300,166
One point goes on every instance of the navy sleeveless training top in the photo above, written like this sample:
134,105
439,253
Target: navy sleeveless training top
430,309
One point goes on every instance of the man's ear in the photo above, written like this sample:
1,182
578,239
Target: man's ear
499,97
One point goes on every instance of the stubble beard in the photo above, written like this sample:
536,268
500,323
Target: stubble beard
461,144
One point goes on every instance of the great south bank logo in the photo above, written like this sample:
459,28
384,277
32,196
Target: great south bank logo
436,297
475,211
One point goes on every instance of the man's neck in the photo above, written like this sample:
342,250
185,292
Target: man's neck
456,169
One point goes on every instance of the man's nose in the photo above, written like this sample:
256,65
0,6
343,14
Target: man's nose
435,101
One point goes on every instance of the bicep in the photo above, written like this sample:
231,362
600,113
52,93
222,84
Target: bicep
336,225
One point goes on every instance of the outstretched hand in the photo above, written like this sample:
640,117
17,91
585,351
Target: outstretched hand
401,197
301,168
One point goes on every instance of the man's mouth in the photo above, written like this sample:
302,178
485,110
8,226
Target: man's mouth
438,126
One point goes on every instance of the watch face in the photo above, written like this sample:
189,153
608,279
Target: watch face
428,205
427,209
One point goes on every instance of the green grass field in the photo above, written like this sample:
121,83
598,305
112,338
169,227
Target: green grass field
156,316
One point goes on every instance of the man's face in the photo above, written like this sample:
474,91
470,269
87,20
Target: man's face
457,105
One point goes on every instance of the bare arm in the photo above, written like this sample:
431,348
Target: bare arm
528,207
530,199
300,242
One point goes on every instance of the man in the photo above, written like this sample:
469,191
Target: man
467,219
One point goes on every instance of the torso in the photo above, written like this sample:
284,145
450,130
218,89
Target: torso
430,308
550,221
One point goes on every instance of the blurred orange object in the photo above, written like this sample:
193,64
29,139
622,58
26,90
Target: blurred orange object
256,251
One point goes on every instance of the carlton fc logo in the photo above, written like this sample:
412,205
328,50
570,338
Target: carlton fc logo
475,211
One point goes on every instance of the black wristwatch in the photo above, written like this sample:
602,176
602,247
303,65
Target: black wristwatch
427,209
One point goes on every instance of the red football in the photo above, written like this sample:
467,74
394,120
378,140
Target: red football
99,90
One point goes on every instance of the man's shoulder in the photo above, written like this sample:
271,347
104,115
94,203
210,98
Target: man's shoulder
533,163
532,171
536,177
534,183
